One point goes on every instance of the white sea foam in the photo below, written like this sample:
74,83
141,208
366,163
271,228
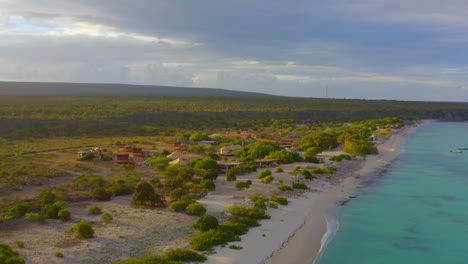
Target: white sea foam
333,224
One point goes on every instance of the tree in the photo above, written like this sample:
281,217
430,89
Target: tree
145,194
284,156
159,162
206,223
261,149
208,168
199,137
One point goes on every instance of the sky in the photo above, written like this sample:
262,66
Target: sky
368,49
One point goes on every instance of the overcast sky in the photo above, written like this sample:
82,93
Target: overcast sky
391,49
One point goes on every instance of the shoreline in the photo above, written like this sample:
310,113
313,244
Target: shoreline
299,232
316,225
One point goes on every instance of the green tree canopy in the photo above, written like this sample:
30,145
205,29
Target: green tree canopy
207,168
145,194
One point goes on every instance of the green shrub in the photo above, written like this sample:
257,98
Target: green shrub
260,204
339,158
177,193
95,210
279,169
64,214
120,188
264,173
195,209
87,157
268,179
178,206
106,217
6,218
240,185
272,204
186,255
8,256
279,199
19,244
20,209
323,170
145,194
89,180
285,188
300,185
206,223
106,157
59,254
238,170
35,217
235,247
230,176
101,194
213,237
236,227
208,184
46,197
51,211
83,230
307,175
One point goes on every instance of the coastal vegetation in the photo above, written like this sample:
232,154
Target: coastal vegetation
53,182
60,116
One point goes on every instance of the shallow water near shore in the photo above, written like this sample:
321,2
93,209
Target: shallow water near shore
416,212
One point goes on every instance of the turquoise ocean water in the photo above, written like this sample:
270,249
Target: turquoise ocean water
417,212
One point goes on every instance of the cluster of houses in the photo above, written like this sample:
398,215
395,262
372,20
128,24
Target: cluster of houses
129,154
125,154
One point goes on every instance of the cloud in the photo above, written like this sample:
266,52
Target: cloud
359,49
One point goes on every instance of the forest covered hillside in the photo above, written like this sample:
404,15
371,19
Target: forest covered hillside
57,88
53,115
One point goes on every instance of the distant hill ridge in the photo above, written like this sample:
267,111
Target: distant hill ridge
58,88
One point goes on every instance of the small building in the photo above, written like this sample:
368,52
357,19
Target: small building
123,158
265,163
180,146
225,166
207,142
183,155
126,148
139,153
230,150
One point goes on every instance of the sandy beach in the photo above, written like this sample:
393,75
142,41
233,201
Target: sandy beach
297,233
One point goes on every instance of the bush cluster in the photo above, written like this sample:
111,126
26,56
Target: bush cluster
241,218
264,173
240,185
195,209
339,158
188,204
300,185
285,188
279,199
83,230
230,176
171,256
307,175
95,210
268,179
8,256
206,223
106,217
